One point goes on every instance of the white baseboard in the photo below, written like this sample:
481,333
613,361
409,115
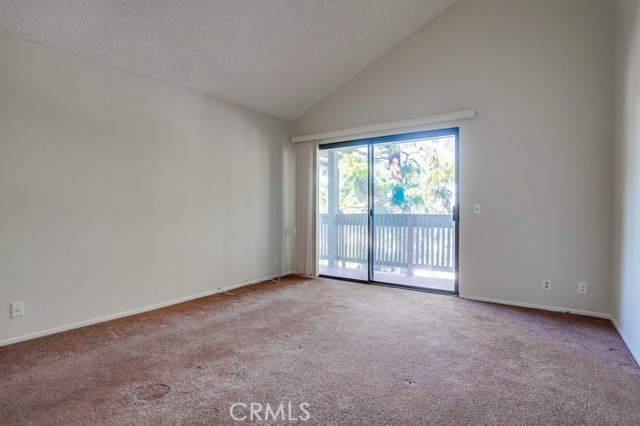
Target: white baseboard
534,306
635,354
62,328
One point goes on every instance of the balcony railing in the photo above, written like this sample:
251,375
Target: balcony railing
411,241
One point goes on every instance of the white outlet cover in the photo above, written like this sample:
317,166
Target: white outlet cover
583,288
17,309
546,285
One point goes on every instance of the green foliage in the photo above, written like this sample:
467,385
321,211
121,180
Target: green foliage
354,182
410,177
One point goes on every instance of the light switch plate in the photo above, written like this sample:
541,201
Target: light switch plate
17,309
476,209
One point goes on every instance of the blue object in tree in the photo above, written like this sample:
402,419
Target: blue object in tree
397,196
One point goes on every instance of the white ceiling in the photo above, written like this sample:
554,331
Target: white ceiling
280,57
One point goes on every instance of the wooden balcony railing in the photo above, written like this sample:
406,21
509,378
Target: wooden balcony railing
411,241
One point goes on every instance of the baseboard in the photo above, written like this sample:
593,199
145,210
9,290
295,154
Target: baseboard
535,306
635,354
105,318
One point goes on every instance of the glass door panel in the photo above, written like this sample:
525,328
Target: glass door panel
414,184
343,231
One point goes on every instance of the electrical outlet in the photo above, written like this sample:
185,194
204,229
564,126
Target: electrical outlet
583,288
17,309
546,284
477,209
276,260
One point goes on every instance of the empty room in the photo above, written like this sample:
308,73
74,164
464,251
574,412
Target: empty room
325,212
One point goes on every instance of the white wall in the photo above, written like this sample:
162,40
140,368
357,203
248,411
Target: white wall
626,242
537,157
118,192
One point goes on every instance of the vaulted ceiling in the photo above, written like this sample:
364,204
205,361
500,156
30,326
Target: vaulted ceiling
280,57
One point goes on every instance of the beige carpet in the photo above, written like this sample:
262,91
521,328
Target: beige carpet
357,354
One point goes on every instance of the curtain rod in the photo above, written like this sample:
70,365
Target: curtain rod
389,125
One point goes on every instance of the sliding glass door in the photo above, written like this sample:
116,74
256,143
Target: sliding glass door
388,210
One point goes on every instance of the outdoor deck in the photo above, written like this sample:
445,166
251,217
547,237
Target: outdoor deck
409,249
446,282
